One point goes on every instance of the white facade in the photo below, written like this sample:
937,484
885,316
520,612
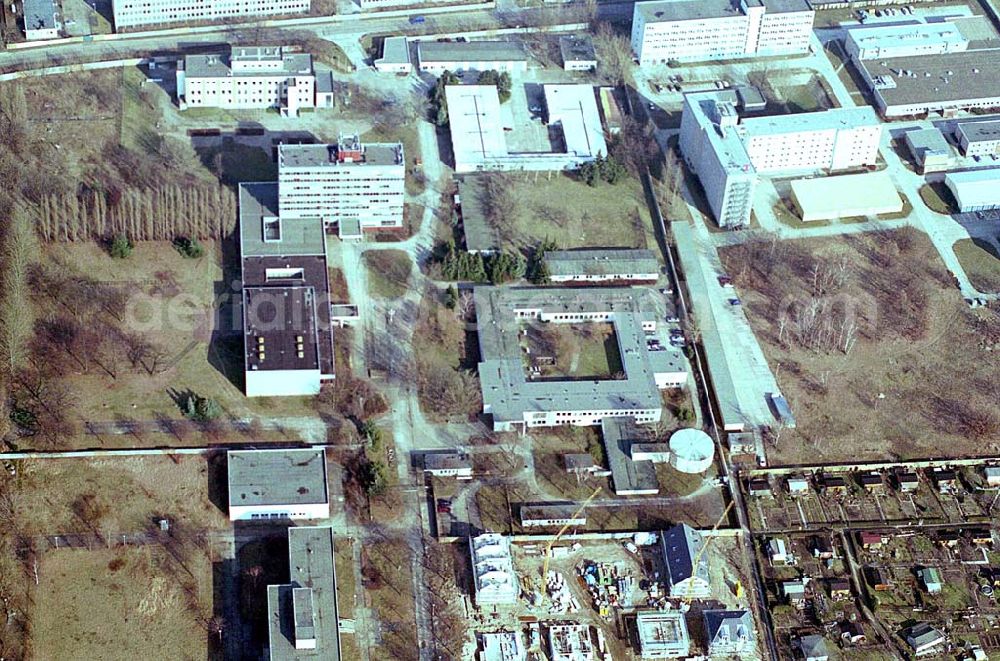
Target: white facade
975,190
437,57
250,78
349,180
694,30
877,41
283,383
395,56
979,138
277,484
294,512
134,13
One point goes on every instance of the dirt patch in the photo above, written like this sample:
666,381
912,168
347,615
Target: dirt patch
873,347
981,262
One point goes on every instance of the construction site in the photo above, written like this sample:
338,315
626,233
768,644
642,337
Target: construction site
617,597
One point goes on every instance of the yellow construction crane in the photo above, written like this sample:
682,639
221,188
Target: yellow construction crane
548,549
697,558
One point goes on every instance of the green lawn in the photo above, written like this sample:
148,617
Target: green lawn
575,215
981,262
579,350
388,272
938,198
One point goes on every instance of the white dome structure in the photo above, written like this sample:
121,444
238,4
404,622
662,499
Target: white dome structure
691,451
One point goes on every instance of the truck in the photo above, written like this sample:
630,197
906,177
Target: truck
416,20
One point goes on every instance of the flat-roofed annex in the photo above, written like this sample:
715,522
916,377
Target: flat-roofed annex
277,477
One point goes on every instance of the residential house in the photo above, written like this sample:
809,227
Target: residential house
992,474
687,568
794,591
871,540
798,485
840,588
729,632
908,482
931,578
759,488
871,481
923,638
853,633
778,552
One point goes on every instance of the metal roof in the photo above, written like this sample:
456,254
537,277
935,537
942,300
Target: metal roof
620,434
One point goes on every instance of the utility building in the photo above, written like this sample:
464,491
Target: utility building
277,484
351,185
602,265
137,13
437,57
975,190
41,20
694,30
930,150
258,77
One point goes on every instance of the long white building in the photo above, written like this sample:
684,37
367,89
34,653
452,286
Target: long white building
136,13
871,42
975,190
727,152
352,185
694,30
278,484
252,77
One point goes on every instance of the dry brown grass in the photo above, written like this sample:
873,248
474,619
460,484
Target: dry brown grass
917,380
387,571
118,605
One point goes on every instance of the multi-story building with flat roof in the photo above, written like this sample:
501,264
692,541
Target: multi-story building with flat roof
252,77
351,185
871,42
277,484
303,620
137,13
728,152
693,30
979,138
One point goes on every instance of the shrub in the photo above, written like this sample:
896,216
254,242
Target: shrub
189,248
201,409
121,247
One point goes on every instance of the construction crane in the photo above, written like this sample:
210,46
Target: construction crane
548,548
688,598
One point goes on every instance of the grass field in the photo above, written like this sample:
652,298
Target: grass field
908,335
576,215
981,262
579,351
938,198
120,605
388,272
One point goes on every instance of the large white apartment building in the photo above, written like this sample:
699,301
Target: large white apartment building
693,30
352,185
136,13
253,77
727,153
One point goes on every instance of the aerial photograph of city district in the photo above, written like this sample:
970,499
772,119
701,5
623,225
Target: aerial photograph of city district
499,330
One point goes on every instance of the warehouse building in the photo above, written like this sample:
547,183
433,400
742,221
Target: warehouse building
727,152
516,402
277,484
602,265
975,190
252,77
436,57
931,151
919,85
493,570
846,196
288,338
41,20
395,56
871,42
552,515
353,186
979,138
136,13
694,30
662,634
477,129
303,620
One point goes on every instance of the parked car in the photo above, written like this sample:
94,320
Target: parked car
735,301
414,20
673,320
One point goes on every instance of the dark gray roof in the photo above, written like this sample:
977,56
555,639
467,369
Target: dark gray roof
307,156
299,236
681,545
685,10
922,634
480,235
577,49
277,477
620,434
813,646
471,51
970,75
782,6
730,624
324,82
218,65
601,261
39,14
980,131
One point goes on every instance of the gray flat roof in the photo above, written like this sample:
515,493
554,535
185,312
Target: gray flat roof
970,75
929,139
471,51
782,6
619,435
218,65
395,50
601,261
480,235
834,118
39,14
686,10
299,236
324,82
311,156
980,131
573,48
507,392
543,511
277,477
311,565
